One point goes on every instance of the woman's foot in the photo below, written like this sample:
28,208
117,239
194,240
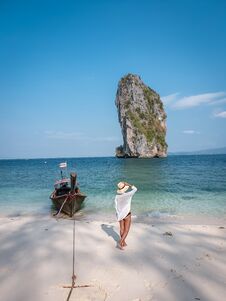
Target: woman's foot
120,246
124,244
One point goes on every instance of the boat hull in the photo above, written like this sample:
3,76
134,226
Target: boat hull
72,204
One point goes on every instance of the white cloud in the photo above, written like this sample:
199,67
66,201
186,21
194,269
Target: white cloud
190,132
220,114
218,102
77,136
63,135
197,100
186,102
169,98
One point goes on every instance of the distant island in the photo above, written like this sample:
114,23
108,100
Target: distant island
211,151
142,119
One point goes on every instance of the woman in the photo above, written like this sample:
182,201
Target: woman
123,209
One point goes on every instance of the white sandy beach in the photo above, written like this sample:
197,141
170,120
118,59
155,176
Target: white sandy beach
36,261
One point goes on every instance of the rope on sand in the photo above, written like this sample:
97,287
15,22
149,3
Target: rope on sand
72,286
73,264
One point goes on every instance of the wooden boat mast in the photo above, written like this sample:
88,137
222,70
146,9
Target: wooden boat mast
73,181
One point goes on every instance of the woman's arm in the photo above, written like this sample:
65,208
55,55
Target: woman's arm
133,190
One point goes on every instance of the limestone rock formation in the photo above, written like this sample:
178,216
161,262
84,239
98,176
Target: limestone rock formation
142,119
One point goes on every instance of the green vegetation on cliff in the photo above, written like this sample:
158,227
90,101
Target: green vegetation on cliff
147,123
148,126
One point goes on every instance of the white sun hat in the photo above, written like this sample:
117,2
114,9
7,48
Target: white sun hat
122,187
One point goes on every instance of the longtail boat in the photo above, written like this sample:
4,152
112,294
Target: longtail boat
66,196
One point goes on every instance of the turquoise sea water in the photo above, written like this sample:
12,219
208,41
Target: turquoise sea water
176,185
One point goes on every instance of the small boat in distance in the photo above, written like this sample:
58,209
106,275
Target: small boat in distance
66,196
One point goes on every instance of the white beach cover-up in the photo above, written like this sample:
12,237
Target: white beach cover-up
123,203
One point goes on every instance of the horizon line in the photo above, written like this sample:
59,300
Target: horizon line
176,153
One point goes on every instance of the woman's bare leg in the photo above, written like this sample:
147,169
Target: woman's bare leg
122,229
127,223
124,243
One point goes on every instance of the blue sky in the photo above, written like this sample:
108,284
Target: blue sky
61,62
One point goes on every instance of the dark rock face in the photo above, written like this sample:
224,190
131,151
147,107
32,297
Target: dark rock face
142,119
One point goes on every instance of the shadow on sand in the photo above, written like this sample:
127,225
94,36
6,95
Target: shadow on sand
109,230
